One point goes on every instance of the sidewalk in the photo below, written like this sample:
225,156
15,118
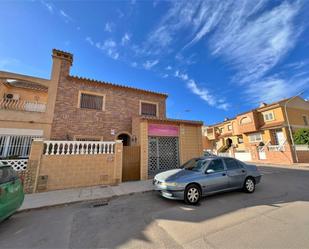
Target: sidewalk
290,166
60,197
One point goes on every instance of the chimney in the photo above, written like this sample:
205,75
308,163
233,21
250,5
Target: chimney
62,62
263,104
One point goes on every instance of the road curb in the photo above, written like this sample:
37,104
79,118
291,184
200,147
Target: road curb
80,201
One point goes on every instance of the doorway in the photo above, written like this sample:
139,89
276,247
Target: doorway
279,138
163,154
126,140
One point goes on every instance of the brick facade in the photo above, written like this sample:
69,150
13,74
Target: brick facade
122,104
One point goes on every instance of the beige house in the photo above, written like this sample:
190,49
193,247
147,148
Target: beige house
72,108
266,128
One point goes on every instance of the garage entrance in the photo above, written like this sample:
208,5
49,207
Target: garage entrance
163,154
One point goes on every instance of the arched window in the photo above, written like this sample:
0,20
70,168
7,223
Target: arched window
245,120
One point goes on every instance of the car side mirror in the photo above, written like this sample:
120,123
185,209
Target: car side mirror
210,171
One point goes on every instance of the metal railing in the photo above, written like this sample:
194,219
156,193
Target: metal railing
78,148
22,105
276,147
15,146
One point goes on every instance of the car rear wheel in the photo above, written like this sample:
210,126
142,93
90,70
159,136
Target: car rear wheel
192,194
249,185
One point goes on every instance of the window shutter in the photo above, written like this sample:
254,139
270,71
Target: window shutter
148,109
89,101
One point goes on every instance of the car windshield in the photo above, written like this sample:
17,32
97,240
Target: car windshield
195,164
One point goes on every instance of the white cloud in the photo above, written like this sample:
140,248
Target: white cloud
252,37
182,76
125,39
150,64
89,40
168,68
275,88
297,65
109,47
66,17
48,6
203,93
254,45
108,27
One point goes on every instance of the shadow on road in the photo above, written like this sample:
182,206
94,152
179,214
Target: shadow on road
128,218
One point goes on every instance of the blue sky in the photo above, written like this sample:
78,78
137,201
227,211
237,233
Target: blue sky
214,58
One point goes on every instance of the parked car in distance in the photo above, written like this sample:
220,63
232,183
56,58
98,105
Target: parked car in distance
205,176
11,192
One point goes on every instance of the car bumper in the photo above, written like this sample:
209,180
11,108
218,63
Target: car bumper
173,195
170,193
257,179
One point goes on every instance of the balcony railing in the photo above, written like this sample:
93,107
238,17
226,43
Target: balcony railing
78,148
22,105
276,148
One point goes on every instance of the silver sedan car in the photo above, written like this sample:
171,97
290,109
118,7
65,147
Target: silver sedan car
205,176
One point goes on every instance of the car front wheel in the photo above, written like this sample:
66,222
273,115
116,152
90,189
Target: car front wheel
249,185
192,194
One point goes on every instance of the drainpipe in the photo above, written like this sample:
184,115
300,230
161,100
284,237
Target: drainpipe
289,126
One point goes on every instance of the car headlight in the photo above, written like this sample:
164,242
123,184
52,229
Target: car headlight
169,184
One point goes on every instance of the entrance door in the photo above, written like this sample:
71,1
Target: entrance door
131,163
163,154
280,137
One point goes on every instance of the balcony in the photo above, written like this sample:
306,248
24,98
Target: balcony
22,105
247,122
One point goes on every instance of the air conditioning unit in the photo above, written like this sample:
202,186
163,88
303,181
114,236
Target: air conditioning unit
11,96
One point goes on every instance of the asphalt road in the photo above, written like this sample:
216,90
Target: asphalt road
275,216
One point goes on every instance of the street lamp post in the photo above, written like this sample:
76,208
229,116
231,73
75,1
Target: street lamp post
289,126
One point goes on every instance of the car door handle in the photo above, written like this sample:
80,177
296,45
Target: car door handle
224,174
243,171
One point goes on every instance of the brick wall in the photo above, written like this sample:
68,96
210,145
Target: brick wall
121,105
303,156
71,171
190,142
274,157
66,171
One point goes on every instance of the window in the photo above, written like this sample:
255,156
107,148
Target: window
229,127
305,118
216,165
255,137
232,164
91,101
240,140
268,116
245,120
194,164
148,109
